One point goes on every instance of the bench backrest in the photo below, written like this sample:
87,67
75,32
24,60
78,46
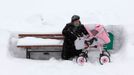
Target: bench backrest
45,36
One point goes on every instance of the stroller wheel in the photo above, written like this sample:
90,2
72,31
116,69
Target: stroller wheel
104,59
106,53
81,60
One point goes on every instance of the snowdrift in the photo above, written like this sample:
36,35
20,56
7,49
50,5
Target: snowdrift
117,30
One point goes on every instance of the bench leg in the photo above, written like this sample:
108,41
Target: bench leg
27,54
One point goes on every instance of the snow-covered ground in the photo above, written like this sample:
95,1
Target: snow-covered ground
50,16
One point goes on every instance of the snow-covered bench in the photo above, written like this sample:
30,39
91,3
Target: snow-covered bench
29,41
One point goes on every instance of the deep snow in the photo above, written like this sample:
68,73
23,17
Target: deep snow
50,16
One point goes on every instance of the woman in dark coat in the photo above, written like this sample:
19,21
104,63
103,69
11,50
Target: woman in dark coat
71,31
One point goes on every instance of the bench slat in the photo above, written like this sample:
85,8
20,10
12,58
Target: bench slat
25,35
37,46
45,36
44,51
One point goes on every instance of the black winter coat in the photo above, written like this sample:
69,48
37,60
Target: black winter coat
70,34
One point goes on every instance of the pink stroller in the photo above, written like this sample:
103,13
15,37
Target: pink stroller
98,38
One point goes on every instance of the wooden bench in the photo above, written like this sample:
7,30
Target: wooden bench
44,36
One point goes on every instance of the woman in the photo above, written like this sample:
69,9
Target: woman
71,31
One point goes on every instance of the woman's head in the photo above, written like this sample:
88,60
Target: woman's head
75,20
